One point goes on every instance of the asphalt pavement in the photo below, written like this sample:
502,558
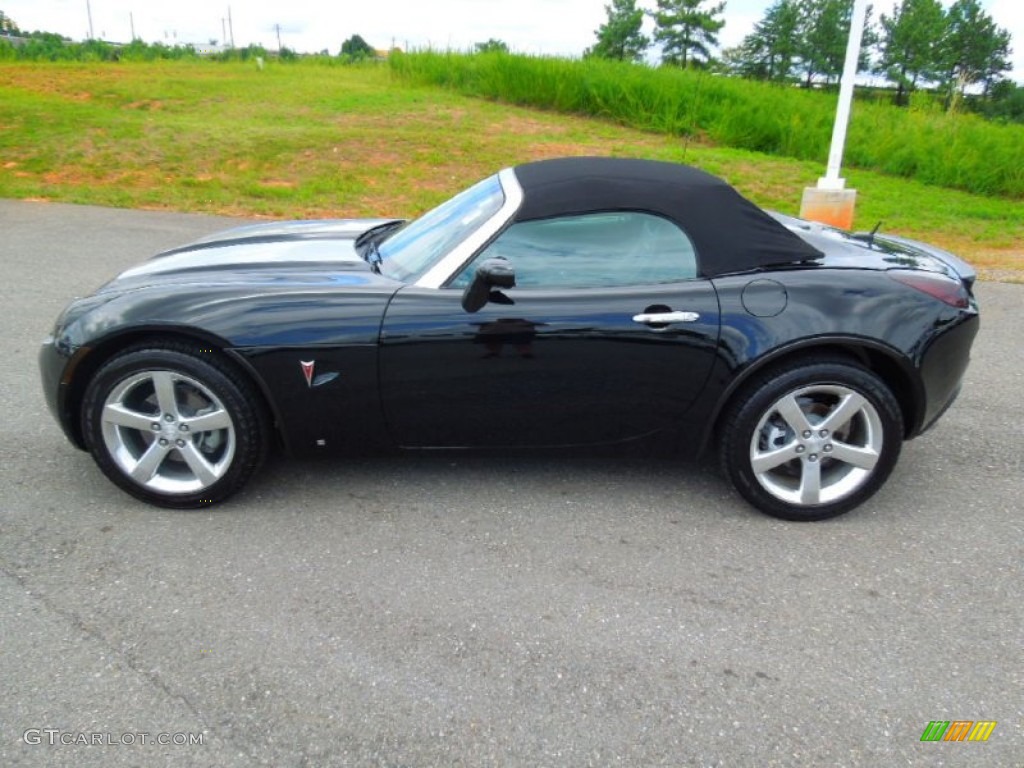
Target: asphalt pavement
446,610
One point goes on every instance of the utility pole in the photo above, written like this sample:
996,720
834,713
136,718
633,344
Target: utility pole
88,9
277,28
223,32
231,28
131,22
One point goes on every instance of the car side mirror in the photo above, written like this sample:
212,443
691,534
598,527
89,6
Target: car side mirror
492,273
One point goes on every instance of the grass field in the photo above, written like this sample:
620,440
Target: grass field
308,139
960,151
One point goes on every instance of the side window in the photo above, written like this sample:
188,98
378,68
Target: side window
596,250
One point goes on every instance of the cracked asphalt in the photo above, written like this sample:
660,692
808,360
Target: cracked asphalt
495,611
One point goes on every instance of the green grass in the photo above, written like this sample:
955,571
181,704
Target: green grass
308,139
958,151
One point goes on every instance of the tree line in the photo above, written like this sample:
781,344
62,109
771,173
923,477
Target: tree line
48,46
916,44
16,43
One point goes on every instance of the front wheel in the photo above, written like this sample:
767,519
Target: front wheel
812,441
172,427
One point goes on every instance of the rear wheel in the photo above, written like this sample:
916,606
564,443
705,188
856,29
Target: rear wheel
812,441
173,428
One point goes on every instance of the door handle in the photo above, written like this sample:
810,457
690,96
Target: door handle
665,318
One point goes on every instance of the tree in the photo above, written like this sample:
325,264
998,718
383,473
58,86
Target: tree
357,48
47,46
7,25
620,37
823,35
911,44
492,46
1005,102
687,31
975,50
769,52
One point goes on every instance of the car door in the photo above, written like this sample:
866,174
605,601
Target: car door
608,335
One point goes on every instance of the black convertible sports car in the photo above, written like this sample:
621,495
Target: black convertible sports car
568,302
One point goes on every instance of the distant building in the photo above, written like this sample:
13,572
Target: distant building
209,49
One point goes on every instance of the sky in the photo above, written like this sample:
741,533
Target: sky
557,27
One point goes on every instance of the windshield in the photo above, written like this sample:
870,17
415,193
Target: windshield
411,251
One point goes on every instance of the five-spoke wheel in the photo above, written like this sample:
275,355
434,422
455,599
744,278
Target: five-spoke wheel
812,441
172,427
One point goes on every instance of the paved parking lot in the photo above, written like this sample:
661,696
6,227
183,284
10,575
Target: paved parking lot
449,611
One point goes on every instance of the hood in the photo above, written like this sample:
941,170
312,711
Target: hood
273,247
320,229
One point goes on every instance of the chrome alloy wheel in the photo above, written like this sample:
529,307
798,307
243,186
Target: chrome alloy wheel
167,432
816,445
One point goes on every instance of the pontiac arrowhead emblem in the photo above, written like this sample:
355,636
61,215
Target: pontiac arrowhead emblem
307,371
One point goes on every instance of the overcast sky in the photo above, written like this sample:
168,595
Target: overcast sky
528,26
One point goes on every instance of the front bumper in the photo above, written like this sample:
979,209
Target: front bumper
55,367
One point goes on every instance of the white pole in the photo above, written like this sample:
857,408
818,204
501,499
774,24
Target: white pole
831,179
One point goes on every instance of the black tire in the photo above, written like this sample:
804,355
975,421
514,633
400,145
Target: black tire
830,424
173,425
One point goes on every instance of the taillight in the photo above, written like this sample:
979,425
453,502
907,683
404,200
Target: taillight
943,288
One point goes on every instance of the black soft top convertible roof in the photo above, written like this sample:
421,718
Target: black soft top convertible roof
730,233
